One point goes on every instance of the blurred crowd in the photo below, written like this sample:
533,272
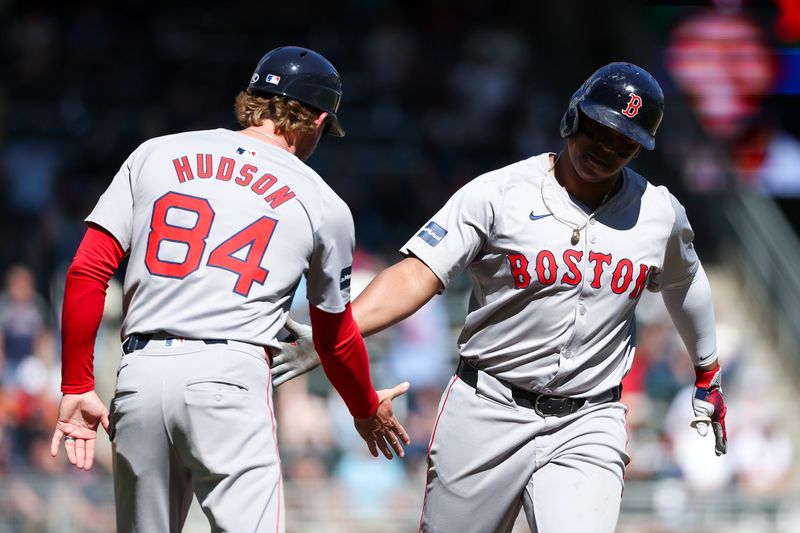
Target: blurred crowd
434,95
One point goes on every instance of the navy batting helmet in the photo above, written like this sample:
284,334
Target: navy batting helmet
303,75
622,96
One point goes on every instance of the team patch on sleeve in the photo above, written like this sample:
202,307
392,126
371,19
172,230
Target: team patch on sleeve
433,233
344,279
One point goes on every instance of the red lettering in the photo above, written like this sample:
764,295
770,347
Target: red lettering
204,166
640,282
626,278
599,260
246,174
547,273
264,183
519,270
572,258
182,169
278,197
225,170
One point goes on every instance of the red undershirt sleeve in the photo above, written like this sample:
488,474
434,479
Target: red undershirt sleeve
96,260
344,359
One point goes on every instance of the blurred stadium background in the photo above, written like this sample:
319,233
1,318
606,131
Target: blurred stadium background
436,92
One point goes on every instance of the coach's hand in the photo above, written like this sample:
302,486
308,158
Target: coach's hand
382,430
296,356
78,418
709,406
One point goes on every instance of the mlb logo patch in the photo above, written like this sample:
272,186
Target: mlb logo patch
433,233
346,276
273,79
171,342
246,153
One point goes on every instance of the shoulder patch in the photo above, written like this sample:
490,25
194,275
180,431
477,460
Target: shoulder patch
345,277
433,233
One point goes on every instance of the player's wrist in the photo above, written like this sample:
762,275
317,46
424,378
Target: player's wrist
369,409
77,389
708,377
374,403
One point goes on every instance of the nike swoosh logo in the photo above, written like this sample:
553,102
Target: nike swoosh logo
537,217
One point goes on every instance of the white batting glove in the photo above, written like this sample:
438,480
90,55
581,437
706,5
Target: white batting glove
709,407
296,356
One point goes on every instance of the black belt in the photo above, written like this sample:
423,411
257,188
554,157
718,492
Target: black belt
543,404
137,341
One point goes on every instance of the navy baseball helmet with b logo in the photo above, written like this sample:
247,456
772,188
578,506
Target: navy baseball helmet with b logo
622,96
303,75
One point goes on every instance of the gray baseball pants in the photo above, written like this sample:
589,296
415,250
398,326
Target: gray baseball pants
490,457
195,418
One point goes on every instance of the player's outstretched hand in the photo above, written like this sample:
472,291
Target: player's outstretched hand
382,431
78,418
709,407
296,356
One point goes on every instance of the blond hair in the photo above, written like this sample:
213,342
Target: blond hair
289,116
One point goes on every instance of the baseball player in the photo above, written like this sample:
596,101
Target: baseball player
218,226
560,248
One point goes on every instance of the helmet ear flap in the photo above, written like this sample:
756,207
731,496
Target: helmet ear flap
569,122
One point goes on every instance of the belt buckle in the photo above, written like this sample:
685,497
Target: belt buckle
554,405
537,405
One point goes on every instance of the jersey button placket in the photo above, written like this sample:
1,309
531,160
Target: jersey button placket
567,349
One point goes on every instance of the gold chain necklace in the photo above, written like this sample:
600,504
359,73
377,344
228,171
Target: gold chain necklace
576,230
272,138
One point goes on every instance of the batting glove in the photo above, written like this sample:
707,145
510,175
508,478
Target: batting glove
297,354
709,407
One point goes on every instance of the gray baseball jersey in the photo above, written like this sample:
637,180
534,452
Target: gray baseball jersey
555,285
220,228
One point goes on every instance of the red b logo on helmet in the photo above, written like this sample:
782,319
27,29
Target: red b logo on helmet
633,106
